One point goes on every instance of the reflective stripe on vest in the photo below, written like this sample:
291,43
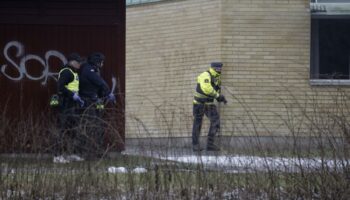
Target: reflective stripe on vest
74,85
201,98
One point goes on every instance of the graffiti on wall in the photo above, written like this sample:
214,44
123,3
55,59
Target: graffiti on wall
22,69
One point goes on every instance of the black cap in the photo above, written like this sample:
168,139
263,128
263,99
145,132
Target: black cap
216,64
75,56
96,58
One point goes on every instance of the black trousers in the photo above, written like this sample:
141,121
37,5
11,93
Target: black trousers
211,112
93,129
68,119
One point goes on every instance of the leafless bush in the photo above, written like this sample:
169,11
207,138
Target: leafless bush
37,132
318,170
316,133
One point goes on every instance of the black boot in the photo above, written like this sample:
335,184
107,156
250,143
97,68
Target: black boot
212,147
196,148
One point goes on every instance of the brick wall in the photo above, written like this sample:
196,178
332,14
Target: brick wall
168,43
265,47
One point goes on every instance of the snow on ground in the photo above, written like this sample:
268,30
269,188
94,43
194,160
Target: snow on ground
239,163
123,170
230,162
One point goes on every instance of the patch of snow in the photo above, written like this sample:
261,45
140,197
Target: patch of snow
60,159
256,163
139,170
243,164
117,170
74,157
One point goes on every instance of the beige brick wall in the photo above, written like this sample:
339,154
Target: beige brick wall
167,44
265,47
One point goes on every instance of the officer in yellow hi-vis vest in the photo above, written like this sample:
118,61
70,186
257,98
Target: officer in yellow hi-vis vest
208,89
68,91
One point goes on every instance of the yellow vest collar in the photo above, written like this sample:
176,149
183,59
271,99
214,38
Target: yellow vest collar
213,72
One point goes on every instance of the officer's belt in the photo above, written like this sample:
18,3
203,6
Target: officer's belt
201,98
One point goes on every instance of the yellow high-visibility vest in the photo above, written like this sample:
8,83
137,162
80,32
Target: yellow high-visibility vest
74,85
208,87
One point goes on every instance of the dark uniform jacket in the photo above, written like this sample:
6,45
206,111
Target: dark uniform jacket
91,85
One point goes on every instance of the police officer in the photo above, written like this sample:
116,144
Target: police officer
68,91
92,86
92,89
68,82
207,89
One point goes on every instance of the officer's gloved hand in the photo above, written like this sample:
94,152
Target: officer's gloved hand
111,97
221,98
82,103
77,98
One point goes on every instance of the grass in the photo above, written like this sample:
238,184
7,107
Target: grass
40,178
22,178
30,178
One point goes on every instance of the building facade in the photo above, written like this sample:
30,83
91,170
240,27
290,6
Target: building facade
278,77
35,39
